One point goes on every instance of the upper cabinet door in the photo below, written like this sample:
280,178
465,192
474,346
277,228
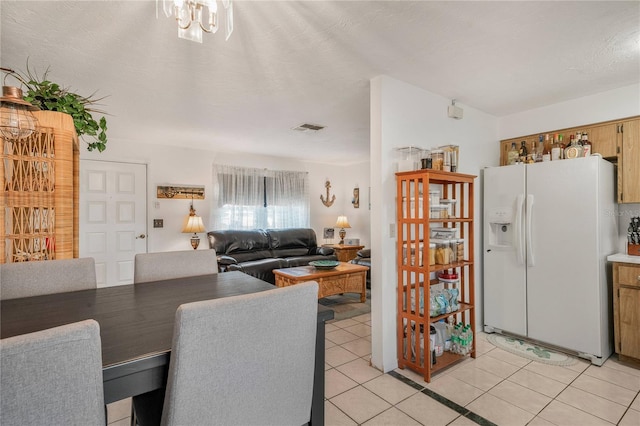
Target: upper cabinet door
603,139
629,162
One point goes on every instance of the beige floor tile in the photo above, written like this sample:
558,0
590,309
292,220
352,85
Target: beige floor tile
560,374
456,390
411,375
359,370
508,357
463,421
336,383
341,336
389,388
636,403
539,421
631,418
367,323
475,376
328,327
592,404
360,347
344,323
499,411
520,396
360,330
337,355
327,366
328,344
334,417
360,404
119,410
537,382
392,417
362,318
495,366
615,376
427,410
604,389
579,366
614,363
562,414
121,422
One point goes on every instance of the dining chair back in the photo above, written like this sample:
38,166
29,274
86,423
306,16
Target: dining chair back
26,279
53,377
244,360
174,264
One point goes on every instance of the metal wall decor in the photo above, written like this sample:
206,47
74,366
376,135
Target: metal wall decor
181,192
326,201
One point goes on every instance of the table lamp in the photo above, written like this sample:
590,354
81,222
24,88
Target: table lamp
193,223
342,223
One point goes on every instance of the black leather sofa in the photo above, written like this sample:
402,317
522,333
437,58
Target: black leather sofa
258,252
363,257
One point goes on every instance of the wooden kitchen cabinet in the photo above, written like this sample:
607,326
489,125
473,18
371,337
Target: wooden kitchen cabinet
626,310
628,147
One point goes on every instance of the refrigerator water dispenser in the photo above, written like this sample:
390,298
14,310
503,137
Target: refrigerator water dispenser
501,228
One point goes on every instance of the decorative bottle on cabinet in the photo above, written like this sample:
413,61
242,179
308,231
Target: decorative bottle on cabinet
429,293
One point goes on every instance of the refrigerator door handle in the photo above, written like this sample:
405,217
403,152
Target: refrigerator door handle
529,236
518,231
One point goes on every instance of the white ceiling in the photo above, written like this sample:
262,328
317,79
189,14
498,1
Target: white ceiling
293,62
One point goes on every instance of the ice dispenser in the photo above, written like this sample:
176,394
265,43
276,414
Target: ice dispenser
501,227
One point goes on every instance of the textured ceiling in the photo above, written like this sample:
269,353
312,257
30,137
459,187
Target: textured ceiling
293,62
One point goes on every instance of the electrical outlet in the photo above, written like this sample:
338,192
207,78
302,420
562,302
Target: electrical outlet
158,223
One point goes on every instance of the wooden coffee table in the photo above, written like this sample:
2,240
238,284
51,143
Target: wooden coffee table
344,278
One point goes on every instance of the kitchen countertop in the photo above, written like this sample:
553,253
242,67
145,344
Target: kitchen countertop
623,258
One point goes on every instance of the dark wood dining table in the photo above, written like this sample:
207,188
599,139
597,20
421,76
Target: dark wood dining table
136,326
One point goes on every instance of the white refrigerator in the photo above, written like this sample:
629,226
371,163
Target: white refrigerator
548,228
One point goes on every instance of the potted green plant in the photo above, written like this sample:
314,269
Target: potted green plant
50,96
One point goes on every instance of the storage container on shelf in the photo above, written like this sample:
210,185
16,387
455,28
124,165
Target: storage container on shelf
411,214
408,158
432,254
458,247
437,159
451,206
434,197
450,157
444,253
409,254
437,212
444,233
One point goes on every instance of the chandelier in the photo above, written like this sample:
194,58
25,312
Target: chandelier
189,15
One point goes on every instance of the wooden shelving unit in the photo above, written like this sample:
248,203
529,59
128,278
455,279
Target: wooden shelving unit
416,276
39,200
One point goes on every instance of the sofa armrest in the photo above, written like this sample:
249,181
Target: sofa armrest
364,253
324,251
224,261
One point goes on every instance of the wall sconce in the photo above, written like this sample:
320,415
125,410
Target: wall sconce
342,223
193,223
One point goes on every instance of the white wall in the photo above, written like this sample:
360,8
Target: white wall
605,106
170,165
403,115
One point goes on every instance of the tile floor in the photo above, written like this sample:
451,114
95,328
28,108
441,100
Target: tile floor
495,388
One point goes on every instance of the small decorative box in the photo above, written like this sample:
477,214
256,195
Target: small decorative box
633,249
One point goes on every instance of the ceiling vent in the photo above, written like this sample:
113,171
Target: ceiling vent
306,127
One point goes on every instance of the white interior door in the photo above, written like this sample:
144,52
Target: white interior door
113,217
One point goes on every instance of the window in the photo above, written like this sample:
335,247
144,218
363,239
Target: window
247,198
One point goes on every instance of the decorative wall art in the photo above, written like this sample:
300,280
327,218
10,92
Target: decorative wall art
326,201
180,192
328,233
356,198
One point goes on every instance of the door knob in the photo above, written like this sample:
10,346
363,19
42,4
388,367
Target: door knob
141,236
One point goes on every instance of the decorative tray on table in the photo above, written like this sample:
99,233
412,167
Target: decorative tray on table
324,264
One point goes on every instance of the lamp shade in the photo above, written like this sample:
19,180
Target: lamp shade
342,222
16,120
193,224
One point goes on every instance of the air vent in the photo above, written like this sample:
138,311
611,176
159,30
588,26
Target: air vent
306,127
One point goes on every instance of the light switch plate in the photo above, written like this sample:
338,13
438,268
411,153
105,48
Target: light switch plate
158,223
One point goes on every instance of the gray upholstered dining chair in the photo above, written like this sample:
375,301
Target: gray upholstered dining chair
174,264
26,279
53,377
244,360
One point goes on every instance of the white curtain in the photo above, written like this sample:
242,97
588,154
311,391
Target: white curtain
249,198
